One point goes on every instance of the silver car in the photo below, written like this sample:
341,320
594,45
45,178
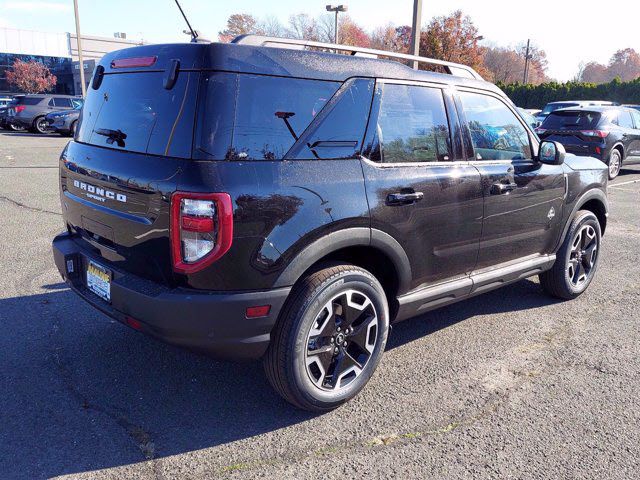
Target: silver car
30,111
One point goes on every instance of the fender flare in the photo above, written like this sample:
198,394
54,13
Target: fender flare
593,194
349,237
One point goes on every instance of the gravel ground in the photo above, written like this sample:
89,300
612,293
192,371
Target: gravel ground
511,384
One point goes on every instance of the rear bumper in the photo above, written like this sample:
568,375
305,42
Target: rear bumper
211,322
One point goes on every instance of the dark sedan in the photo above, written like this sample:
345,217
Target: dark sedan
611,134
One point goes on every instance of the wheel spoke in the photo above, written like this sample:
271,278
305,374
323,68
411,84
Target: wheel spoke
360,335
350,311
322,357
344,364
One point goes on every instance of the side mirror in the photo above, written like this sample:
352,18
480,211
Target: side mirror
552,153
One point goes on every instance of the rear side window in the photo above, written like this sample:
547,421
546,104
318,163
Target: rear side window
572,121
252,117
134,112
636,116
28,101
412,125
624,119
496,132
62,102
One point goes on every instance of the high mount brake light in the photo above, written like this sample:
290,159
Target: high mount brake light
133,62
201,229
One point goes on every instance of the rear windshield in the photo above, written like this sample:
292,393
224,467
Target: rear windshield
572,121
552,107
28,101
252,117
134,112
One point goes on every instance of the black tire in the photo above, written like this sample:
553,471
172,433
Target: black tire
15,128
614,163
39,125
562,280
72,129
286,362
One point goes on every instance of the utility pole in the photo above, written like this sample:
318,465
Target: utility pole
527,57
80,56
415,30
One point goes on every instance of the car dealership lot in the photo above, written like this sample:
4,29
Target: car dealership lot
508,384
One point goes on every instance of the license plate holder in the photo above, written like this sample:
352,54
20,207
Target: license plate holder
99,280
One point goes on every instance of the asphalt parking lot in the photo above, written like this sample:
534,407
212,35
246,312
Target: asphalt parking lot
512,384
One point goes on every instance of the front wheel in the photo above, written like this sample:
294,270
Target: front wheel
329,338
577,259
40,125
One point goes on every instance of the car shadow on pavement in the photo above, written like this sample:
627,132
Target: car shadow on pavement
82,392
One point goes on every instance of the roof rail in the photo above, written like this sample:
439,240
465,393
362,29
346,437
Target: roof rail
264,41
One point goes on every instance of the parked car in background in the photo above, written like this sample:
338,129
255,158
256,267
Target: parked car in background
290,204
533,111
635,107
611,134
553,106
4,116
29,111
4,101
532,121
64,122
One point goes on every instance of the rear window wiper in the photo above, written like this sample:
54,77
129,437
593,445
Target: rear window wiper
117,136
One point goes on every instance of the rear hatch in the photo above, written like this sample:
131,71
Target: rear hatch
577,130
134,137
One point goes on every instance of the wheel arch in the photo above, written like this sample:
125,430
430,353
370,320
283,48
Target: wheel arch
595,201
371,249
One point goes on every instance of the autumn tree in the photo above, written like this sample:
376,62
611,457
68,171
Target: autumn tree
239,24
504,65
392,38
303,26
453,38
31,77
350,33
624,64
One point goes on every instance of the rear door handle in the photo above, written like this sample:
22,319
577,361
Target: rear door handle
502,188
404,198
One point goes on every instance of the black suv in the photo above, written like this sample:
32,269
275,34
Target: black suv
611,134
260,200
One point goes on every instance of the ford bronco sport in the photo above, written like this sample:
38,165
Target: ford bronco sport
275,199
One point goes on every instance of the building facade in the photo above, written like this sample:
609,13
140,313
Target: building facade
58,51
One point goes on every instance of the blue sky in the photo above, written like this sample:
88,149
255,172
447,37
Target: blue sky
570,31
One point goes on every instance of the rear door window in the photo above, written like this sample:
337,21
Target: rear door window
62,102
412,125
624,119
252,117
134,112
496,132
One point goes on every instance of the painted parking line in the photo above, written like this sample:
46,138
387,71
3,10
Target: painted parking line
615,185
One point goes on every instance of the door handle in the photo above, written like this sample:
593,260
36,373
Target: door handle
404,198
502,188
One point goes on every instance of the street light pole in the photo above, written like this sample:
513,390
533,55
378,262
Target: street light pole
336,9
527,57
415,30
80,56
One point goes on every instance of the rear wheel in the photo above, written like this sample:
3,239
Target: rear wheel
329,338
615,163
72,129
577,259
15,128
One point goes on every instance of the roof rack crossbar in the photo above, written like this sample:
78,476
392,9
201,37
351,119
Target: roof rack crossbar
264,41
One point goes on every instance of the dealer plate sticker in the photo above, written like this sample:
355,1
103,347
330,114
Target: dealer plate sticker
99,280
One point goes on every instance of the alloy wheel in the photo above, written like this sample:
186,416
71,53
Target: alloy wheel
341,340
615,163
583,256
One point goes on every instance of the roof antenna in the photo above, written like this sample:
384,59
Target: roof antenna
194,33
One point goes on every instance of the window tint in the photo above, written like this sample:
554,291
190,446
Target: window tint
552,107
29,100
624,119
572,121
62,102
341,127
134,112
636,116
496,132
269,114
412,125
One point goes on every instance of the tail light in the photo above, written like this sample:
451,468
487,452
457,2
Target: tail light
595,133
19,108
201,229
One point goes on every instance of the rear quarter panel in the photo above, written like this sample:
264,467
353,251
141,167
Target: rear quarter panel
280,207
